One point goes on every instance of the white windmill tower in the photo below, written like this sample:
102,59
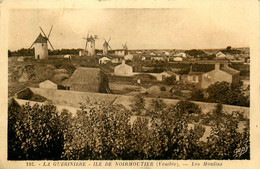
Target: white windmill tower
105,46
90,44
41,46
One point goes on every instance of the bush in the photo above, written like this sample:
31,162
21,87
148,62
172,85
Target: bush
197,95
34,133
138,105
223,92
170,80
162,88
106,132
100,133
225,141
188,107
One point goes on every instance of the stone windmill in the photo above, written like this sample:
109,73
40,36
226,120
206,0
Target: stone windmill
106,46
41,45
90,45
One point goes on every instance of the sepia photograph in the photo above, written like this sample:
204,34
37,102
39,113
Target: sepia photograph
128,84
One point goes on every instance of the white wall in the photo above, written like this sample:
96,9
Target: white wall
41,50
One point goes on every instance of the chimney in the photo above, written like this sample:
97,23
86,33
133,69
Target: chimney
123,62
217,65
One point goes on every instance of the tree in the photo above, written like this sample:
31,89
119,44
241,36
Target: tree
9,53
101,133
197,95
176,140
138,105
34,133
228,48
185,106
223,92
105,131
225,141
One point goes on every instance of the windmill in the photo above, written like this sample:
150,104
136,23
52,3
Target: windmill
90,44
125,48
41,46
105,46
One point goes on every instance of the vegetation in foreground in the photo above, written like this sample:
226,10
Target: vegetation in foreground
106,132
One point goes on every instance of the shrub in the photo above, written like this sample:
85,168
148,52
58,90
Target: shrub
188,107
138,105
102,133
106,132
225,141
34,133
162,88
170,80
223,92
197,95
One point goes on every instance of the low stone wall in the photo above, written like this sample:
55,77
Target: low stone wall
76,99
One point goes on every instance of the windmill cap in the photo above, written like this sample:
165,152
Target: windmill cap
41,39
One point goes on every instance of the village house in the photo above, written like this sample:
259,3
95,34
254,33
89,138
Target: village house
67,56
104,60
47,84
116,59
178,59
88,80
158,58
166,53
205,79
152,54
194,77
123,70
160,76
230,57
220,55
163,75
224,73
120,52
182,54
129,57
177,76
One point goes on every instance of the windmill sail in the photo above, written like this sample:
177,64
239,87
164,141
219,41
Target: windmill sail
48,36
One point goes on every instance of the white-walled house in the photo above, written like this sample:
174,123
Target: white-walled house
178,59
128,57
47,84
182,54
123,70
158,58
104,60
67,56
220,55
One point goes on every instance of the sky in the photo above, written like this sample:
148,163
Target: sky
153,28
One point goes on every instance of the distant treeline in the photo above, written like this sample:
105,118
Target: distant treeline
30,52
